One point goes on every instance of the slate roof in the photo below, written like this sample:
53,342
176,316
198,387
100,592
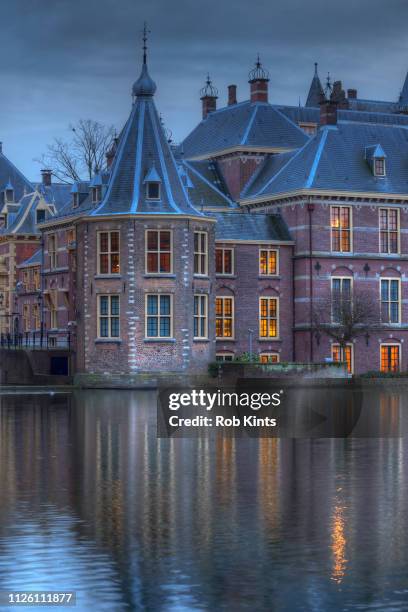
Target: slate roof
142,150
245,124
403,99
250,226
9,173
300,114
206,186
34,260
334,159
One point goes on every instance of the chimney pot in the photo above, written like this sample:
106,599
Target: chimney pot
352,94
232,95
46,176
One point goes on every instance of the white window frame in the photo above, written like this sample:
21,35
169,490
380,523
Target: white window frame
199,253
349,345
202,314
386,278
388,232
96,194
268,318
341,279
148,197
382,160
109,252
223,249
223,317
54,253
332,228
159,316
268,251
159,251
389,344
108,316
224,354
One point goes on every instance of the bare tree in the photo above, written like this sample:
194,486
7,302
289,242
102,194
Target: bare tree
343,316
78,157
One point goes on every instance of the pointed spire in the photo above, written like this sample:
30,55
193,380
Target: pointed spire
316,90
403,99
144,86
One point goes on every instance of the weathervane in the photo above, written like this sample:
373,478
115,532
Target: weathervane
145,33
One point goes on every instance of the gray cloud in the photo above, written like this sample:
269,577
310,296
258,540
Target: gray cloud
67,59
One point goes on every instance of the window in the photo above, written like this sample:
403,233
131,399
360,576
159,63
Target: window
200,316
96,194
389,230
390,300
153,190
379,166
346,357
25,280
36,316
224,261
390,357
201,253
269,357
158,253
159,316
52,251
268,317
224,357
75,200
108,250
36,279
341,229
224,317
268,262
53,317
341,294
40,215
108,316
26,317
9,195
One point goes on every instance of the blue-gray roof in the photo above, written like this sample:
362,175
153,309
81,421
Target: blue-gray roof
205,184
34,260
250,226
246,125
10,174
403,100
335,160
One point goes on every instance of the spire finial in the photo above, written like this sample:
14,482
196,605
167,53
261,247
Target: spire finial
315,68
145,33
328,88
259,72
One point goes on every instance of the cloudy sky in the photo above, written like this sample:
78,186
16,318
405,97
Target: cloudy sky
62,60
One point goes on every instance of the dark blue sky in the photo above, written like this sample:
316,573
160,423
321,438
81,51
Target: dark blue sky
62,60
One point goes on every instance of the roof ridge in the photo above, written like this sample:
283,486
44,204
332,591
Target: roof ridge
317,158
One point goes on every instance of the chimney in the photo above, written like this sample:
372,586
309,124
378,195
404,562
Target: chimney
46,177
232,95
352,94
209,95
328,112
258,80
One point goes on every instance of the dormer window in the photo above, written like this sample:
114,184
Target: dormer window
9,193
96,194
75,200
153,190
153,184
375,156
379,166
40,215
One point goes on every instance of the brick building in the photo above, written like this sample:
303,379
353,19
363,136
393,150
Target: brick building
176,256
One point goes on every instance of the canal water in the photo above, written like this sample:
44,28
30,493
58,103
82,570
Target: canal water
92,502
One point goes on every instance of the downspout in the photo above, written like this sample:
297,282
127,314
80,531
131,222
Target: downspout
310,208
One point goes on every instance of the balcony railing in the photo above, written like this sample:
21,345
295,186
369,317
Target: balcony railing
36,340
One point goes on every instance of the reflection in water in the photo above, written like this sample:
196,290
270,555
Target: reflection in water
91,500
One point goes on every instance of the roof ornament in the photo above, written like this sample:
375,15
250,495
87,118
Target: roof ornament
209,90
258,73
168,134
328,88
144,86
316,75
